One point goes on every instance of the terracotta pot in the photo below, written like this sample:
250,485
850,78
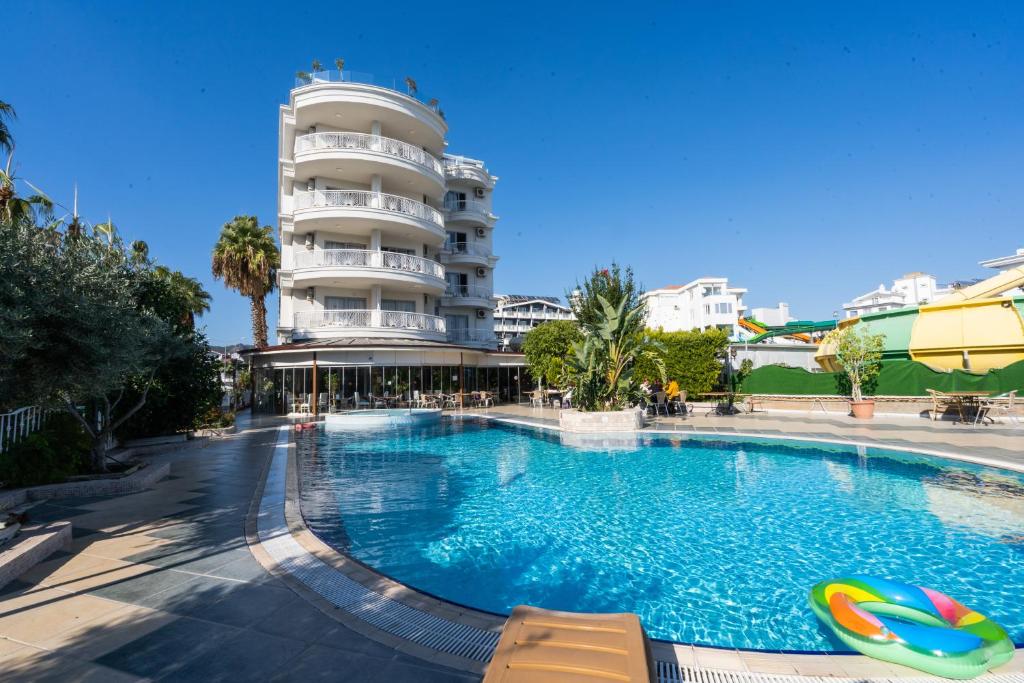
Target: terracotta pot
863,410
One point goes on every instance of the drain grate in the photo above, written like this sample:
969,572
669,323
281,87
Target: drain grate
392,617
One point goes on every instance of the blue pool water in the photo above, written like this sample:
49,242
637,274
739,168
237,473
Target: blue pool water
712,542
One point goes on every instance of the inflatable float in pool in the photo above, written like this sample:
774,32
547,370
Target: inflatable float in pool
909,625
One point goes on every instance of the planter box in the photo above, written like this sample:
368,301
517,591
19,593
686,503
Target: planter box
611,421
32,546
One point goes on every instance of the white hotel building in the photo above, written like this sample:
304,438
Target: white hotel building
387,263
702,304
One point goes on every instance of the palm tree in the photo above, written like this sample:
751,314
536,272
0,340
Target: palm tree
247,259
6,114
192,299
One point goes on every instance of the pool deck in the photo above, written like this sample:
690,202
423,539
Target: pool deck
172,583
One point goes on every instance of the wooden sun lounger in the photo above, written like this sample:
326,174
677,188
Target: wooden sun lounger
543,646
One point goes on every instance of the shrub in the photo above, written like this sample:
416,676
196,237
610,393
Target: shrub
215,418
57,451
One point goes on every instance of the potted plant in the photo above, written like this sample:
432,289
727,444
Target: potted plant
860,354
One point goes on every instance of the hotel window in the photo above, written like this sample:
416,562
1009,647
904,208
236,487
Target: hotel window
707,309
455,201
456,242
399,250
397,305
331,244
723,308
344,303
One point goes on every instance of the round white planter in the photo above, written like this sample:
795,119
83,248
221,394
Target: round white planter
611,421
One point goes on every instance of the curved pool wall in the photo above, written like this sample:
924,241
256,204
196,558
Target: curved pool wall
391,417
711,540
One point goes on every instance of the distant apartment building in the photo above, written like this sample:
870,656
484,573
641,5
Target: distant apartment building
517,314
913,289
772,317
702,304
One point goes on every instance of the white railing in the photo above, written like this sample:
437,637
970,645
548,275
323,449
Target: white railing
475,336
466,248
464,291
366,258
401,87
18,424
531,315
368,143
467,206
394,320
363,199
471,169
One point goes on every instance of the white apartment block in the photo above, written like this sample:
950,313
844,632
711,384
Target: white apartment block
702,304
383,235
913,289
517,314
773,317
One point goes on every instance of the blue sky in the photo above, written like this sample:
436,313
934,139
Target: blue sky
805,150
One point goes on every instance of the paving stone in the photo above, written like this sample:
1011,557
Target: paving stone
247,656
168,648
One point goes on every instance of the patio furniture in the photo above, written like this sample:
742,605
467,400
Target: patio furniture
660,403
484,400
941,401
725,402
567,399
966,403
545,645
537,398
1003,404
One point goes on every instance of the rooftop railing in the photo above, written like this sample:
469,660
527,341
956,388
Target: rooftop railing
402,87
368,143
363,199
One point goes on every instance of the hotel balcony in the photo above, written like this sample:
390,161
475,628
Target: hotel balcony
468,211
362,268
353,100
468,295
467,253
464,168
477,338
360,156
360,212
368,323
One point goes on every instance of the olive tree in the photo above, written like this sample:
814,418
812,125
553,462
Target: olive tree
547,346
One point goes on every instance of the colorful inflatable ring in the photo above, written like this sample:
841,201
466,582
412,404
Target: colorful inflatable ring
916,627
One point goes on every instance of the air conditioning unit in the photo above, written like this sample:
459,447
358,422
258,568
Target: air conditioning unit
481,272
310,293
481,313
478,192
481,232
310,240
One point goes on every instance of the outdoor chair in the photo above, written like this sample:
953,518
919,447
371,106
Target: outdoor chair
567,399
942,401
537,399
660,403
1003,405
485,400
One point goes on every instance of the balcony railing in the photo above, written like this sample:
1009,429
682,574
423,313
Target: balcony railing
466,248
467,206
358,318
464,167
367,258
365,142
468,291
18,424
462,335
363,199
401,87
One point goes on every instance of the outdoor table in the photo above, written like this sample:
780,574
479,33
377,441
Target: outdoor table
967,401
727,407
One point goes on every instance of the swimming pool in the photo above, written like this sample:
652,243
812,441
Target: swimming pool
712,541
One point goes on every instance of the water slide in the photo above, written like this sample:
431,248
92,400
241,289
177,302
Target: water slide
764,332
976,328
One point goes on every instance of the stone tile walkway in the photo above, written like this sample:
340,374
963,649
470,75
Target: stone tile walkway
161,585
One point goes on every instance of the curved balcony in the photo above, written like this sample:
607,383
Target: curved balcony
364,268
360,156
468,253
468,211
368,323
360,212
466,337
471,170
468,295
355,100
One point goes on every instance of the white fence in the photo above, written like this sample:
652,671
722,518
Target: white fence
18,424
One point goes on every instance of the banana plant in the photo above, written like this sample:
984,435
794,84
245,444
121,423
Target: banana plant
602,365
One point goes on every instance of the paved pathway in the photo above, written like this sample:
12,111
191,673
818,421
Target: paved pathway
161,585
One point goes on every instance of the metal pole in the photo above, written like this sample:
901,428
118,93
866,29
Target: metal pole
315,399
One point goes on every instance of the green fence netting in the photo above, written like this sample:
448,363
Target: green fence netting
897,378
